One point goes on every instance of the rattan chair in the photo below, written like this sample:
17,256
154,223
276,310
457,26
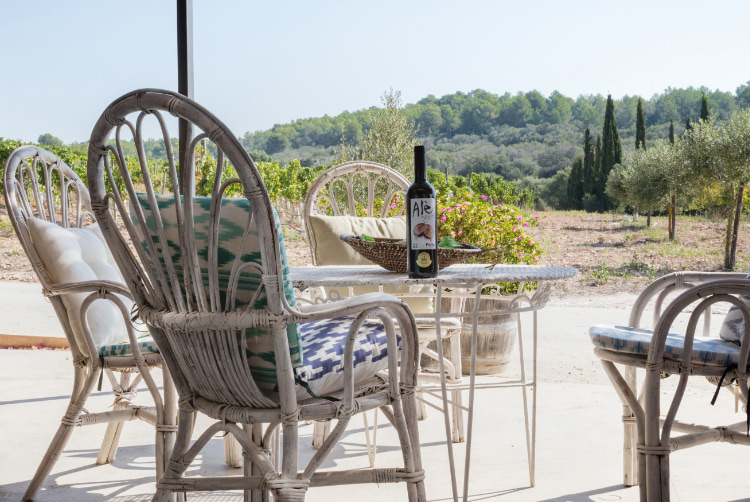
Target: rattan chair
649,439
376,191
210,280
41,191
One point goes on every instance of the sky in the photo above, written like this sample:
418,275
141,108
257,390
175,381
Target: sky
260,63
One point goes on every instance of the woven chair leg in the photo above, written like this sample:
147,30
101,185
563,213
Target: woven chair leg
54,451
458,417
405,421
321,430
232,451
186,423
83,383
421,407
109,443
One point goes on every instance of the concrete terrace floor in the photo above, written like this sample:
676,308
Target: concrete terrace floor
579,433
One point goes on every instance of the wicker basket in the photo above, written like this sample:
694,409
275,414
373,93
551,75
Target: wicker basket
391,253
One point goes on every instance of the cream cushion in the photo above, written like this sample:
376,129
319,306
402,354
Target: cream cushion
331,250
75,255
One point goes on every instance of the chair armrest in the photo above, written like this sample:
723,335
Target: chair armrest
349,306
86,287
669,283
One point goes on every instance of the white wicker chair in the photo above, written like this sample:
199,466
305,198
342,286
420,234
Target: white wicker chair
338,192
648,439
40,186
221,312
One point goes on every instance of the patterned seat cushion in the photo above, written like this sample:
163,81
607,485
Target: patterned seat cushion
706,351
145,344
323,353
232,223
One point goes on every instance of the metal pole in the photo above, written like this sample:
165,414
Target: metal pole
184,76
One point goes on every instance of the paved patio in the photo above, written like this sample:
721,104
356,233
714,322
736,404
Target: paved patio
578,435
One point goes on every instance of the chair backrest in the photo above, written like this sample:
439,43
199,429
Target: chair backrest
38,184
357,188
208,274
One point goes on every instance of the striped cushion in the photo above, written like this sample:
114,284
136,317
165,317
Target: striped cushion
323,349
234,215
145,344
706,351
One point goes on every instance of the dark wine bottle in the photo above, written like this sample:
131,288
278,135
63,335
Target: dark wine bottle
421,222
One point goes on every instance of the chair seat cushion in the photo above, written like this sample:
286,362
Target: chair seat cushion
323,353
145,345
706,351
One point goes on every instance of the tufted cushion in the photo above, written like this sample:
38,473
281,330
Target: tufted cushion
323,350
76,255
330,250
234,215
706,351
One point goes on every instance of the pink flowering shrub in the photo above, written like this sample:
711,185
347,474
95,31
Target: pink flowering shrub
492,226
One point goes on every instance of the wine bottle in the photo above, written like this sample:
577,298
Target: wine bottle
421,222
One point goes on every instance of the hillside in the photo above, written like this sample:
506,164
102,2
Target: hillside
515,136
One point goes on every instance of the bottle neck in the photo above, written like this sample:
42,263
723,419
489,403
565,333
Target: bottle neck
420,163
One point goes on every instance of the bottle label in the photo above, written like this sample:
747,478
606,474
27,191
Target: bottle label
423,223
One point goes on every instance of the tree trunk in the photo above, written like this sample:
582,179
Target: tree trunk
736,227
669,222
648,219
728,236
673,223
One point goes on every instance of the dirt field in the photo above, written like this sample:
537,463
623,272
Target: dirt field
613,255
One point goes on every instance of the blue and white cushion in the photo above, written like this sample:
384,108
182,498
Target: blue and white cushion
706,351
145,345
323,345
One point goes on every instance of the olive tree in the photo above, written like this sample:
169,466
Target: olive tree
736,156
392,137
705,155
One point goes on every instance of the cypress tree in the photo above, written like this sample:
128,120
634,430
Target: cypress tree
611,151
704,108
688,124
671,131
575,183
598,155
589,172
640,127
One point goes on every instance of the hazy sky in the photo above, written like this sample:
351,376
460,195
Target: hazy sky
261,63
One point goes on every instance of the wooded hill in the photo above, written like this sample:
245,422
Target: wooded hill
515,136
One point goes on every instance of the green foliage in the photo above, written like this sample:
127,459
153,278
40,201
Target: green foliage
591,203
276,143
482,184
704,108
50,140
671,131
480,221
392,137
